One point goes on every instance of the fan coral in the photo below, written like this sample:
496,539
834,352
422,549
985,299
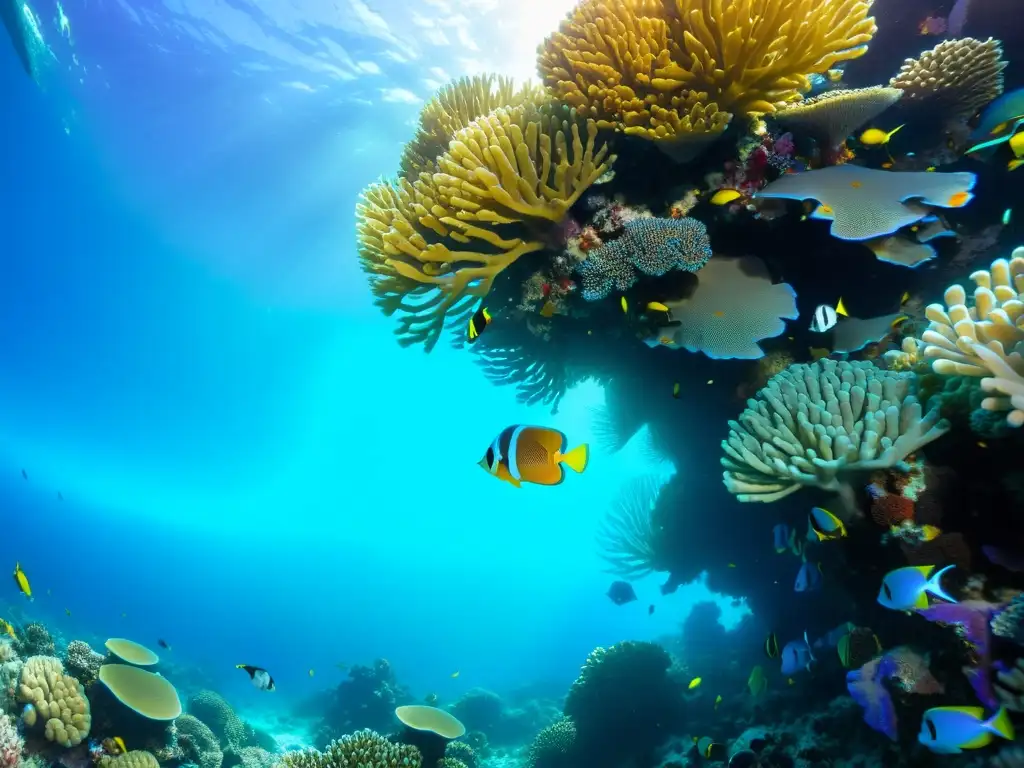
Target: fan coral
734,306
676,71
11,744
362,749
433,247
552,744
833,115
813,423
957,77
648,246
985,339
214,711
628,537
864,203
454,107
58,699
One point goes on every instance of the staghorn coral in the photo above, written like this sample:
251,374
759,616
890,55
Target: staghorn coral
82,662
734,306
552,745
362,749
135,759
11,744
985,339
675,71
198,743
814,423
452,108
628,537
57,699
833,115
212,709
957,77
433,247
647,246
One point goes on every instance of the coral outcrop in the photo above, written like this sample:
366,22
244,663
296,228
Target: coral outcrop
362,749
56,701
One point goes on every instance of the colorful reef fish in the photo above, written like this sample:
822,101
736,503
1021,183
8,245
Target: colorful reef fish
905,589
950,730
522,454
22,581
261,679
808,578
797,656
823,525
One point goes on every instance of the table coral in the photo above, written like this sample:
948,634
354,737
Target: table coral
647,246
433,246
677,72
811,424
834,115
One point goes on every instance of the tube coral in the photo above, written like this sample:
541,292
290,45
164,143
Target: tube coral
676,71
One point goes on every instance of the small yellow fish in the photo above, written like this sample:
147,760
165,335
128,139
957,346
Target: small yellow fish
675,390
718,700
876,137
725,196
120,745
1014,164
311,672
480,320
695,683
904,298
657,306
548,309
22,581
455,674
888,164
67,611
930,532
1017,144
982,444
8,629
625,305
931,169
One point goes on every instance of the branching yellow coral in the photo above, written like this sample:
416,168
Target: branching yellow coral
454,107
677,70
434,245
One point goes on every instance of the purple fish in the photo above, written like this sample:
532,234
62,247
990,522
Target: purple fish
866,687
957,18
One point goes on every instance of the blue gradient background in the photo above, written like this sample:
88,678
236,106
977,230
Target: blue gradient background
252,468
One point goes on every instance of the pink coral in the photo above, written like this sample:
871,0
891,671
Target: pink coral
11,743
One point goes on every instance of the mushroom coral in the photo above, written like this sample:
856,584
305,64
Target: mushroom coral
55,697
734,305
455,106
676,71
813,424
433,246
985,339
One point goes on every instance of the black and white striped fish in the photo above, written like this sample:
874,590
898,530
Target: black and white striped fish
826,317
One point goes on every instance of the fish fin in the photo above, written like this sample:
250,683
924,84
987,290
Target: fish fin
578,458
840,309
893,132
983,739
1000,724
921,601
934,584
810,652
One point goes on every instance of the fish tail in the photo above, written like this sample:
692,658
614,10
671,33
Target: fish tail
578,458
1000,725
934,584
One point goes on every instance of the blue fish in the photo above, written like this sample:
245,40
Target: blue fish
797,656
832,637
808,578
997,122
906,589
823,525
780,537
950,730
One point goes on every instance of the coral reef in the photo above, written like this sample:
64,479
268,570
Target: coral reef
82,662
833,115
553,745
198,743
11,744
214,711
56,701
362,749
35,640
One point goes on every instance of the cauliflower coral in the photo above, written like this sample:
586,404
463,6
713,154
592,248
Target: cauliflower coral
56,699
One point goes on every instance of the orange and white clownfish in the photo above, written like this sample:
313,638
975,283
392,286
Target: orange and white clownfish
523,454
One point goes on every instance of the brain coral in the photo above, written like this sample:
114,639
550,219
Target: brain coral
676,71
734,306
648,246
213,710
362,749
58,699
812,423
865,203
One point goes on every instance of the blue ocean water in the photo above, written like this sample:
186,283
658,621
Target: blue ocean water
251,468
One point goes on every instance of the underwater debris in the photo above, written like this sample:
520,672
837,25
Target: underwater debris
733,307
864,203
647,246
812,423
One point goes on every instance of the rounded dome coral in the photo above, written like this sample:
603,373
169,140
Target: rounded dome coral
423,718
131,652
148,694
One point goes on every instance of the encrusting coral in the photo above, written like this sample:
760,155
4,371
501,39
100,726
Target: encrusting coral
362,749
455,106
957,76
57,700
676,71
433,247
813,423
985,339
